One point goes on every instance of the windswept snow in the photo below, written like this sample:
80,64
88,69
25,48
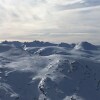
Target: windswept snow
53,72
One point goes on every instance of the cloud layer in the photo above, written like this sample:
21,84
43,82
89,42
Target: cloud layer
24,19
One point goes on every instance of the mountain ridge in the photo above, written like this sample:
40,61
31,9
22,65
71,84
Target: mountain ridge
58,72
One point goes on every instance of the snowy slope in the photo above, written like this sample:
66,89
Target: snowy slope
85,46
49,73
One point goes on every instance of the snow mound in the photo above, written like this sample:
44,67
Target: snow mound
85,46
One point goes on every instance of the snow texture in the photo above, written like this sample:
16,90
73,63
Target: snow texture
46,71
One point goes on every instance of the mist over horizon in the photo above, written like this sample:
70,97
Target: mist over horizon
70,38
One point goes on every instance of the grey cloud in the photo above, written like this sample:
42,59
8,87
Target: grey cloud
84,4
28,18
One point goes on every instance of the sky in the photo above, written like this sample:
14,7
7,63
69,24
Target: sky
50,20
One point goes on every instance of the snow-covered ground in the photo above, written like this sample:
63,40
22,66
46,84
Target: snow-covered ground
49,71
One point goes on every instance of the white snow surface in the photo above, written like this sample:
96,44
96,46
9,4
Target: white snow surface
50,73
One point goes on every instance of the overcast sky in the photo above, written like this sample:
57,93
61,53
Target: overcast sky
50,20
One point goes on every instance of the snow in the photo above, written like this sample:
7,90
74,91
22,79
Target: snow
85,46
74,97
50,72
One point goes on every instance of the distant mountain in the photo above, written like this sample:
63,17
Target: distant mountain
38,44
64,45
14,43
85,46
